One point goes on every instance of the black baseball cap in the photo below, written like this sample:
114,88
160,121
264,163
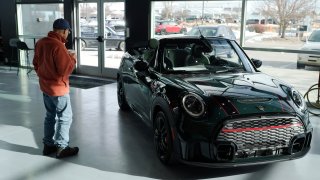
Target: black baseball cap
61,24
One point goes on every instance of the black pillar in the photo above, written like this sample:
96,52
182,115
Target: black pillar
137,14
8,25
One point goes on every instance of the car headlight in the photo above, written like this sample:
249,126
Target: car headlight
298,99
193,104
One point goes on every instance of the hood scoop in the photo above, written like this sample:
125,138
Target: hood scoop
253,100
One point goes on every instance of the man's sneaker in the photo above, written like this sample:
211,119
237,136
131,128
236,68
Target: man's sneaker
47,150
67,151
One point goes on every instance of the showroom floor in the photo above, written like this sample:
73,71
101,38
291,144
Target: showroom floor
115,144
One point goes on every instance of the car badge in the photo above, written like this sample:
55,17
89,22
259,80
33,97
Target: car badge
261,108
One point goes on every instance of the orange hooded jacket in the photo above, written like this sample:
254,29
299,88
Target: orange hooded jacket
53,64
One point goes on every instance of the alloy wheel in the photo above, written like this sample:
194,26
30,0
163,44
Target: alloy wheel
162,137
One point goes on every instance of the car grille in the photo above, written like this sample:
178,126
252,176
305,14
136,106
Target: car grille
260,137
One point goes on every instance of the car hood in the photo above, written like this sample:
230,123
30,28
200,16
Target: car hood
311,46
244,92
240,85
120,33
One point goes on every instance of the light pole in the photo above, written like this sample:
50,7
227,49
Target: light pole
202,12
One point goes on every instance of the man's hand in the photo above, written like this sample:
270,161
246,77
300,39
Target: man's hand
72,53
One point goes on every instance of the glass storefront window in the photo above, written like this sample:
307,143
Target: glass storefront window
271,24
37,19
34,22
267,25
214,18
284,66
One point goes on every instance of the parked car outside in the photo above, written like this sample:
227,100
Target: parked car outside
211,109
211,31
252,21
169,27
112,39
116,24
312,44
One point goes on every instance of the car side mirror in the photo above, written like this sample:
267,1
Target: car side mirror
141,65
257,63
109,34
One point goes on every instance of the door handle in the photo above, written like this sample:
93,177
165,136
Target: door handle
100,38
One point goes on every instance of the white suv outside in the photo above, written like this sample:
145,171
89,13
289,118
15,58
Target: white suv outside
312,44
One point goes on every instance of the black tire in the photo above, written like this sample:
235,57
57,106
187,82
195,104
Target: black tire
163,32
183,31
300,66
163,139
122,102
121,46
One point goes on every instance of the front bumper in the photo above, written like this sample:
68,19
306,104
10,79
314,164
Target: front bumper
250,141
309,59
257,161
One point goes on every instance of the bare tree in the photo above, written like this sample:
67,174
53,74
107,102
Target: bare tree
167,10
284,11
87,11
107,9
182,14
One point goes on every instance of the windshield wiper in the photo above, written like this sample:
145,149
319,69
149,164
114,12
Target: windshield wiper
230,69
186,72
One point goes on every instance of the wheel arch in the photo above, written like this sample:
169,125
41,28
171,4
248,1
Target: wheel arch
159,104
119,45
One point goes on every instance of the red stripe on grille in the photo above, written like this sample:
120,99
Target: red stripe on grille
224,130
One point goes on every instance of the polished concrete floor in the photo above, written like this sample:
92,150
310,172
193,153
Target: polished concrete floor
114,144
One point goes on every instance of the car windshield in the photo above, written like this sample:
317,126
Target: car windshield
195,57
315,36
108,29
205,31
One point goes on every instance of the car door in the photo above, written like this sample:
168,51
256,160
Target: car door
143,93
175,27
112,39
137,90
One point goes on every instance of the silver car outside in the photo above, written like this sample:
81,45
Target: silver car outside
312,44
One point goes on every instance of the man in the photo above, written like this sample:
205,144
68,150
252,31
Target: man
53,64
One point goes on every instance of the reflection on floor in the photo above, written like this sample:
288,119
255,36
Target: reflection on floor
113,144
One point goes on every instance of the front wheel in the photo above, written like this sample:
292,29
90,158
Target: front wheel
183,31
121,46
163,32
122,102
300,66
163,139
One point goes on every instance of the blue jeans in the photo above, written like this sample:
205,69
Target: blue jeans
58,120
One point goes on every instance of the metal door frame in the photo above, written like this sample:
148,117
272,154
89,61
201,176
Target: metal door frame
100,70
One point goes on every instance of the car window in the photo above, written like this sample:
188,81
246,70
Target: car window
193,57
315,36
194,32
231,34
209,31
172,23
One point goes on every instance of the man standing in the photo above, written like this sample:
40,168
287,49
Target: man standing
53,64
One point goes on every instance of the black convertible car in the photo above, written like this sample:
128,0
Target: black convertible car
208,104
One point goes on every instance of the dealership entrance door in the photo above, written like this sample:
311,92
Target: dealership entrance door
100,36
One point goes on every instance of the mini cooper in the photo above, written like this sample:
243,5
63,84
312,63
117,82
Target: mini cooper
209,105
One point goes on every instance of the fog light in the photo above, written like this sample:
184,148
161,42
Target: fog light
225,151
